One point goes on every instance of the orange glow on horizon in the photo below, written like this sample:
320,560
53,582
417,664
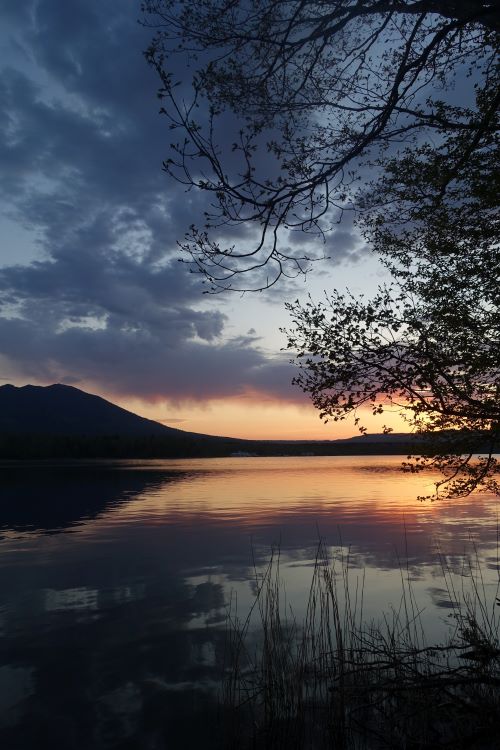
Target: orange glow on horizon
255,418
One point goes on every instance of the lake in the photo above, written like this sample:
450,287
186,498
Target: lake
116,578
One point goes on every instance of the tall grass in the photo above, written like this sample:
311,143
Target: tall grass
336,681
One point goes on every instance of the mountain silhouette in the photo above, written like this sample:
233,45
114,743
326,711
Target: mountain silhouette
56,497
60,421
65,410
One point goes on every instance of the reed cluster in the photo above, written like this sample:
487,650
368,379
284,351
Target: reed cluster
336,681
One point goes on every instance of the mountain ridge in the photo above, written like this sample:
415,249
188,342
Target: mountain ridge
62,421
34,409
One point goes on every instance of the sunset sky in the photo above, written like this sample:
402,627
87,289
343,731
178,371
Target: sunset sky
92,293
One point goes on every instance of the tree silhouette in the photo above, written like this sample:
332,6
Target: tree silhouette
335,93
428,344
320,90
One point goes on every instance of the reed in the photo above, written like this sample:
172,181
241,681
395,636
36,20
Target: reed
336,681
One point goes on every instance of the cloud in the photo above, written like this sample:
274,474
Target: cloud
144,364
81,145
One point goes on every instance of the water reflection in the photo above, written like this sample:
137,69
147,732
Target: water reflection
53,498
112,630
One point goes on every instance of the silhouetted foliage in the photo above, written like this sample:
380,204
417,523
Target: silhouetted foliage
429,343
319,89
332,92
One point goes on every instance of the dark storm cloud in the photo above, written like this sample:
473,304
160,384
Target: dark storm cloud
142,363
81,145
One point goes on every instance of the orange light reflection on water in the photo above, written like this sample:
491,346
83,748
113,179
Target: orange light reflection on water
327,492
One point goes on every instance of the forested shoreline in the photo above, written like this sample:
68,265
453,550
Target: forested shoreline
35,446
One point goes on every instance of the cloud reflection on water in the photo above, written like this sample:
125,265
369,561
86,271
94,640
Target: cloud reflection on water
133,600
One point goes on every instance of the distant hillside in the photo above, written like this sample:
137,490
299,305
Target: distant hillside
59,421
381,438
64,410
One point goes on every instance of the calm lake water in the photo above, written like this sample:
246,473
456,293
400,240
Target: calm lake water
115,580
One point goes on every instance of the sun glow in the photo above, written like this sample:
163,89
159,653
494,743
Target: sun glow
253,417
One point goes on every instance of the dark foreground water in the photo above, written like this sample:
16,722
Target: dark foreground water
115,580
